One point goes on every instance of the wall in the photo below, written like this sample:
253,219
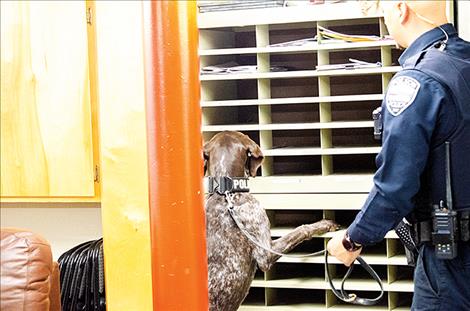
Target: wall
123,150
463,14
63,225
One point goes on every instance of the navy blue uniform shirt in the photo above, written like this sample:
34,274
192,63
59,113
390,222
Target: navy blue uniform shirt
416,111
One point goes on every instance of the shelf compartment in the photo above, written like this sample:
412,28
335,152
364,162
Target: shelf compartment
340,57
320,151
320,283
228,90
354,163
346,46
399,260
296,307
294,165
285,15
362,308
300,74
255,297
299,87
315,307
288,126
344,306
400,301
312,201
354,111
293,100
227,38
353,137
344,85
246,115
359,274
348,183
287,271
293,218
401,286
287,296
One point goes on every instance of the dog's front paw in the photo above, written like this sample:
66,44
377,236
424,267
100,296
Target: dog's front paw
321,227
330,225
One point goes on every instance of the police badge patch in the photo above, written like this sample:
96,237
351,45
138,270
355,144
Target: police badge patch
401,93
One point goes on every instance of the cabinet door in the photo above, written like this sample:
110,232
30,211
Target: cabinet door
46,124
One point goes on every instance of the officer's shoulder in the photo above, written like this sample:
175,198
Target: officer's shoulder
416,79
416,74
411,87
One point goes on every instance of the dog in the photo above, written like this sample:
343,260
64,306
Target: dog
232,257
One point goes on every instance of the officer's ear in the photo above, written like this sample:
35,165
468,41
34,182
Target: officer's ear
403,10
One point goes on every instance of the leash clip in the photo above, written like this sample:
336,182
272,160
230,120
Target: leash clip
221,185
351,298
229,198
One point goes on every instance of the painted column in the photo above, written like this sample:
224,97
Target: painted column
177,222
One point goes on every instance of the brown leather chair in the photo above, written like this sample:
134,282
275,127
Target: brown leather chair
29,277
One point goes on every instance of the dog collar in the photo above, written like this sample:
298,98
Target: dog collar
227,184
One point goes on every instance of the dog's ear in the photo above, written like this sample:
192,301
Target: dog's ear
205,154
255,157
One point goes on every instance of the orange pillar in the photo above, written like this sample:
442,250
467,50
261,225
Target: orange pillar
177,222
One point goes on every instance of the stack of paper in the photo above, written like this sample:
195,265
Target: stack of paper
311,2
327,33
354,64
300,42
233,67
227,5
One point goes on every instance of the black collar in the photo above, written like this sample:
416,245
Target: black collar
426,40
226,184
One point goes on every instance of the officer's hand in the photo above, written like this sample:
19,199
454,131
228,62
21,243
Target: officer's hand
335,247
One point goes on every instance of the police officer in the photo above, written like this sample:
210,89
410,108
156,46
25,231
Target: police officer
426,108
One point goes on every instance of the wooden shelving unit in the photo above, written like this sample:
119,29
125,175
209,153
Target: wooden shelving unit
315,130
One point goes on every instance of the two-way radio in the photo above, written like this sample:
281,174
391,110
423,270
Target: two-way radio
445,233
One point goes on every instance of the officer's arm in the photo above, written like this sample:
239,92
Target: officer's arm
410,112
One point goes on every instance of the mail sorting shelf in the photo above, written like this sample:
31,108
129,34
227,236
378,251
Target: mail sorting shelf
315,130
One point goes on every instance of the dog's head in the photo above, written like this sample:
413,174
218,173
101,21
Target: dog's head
231,154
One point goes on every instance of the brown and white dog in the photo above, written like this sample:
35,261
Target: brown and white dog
232,258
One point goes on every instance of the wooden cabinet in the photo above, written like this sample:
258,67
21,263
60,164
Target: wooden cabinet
47,129
316,131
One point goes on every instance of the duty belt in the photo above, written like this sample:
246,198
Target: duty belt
423,230
416,234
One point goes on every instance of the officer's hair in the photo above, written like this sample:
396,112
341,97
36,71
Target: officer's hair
369,7
431,11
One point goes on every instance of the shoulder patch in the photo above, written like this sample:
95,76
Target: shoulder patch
401,93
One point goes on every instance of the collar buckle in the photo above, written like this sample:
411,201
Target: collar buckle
226,184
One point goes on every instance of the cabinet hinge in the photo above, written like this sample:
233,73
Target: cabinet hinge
88,16
97,174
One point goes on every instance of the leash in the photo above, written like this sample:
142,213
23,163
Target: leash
342,294
229,198
351,297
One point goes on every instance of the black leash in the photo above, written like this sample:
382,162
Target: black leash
228,197
341,294
351,297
